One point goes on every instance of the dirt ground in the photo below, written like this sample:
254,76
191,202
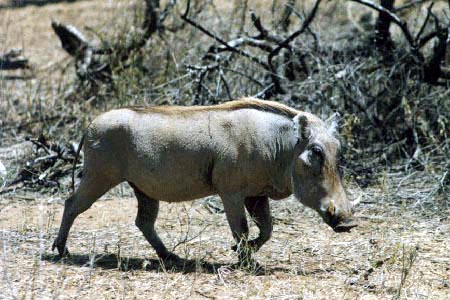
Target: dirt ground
400,250
395,253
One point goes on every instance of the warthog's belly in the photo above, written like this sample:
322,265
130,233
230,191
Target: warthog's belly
172,177
173,191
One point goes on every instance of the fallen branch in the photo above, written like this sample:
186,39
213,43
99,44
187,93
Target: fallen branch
13,60
48,165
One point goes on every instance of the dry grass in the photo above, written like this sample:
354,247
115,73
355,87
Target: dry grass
399,251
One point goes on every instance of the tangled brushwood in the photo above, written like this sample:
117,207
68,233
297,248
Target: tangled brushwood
385,72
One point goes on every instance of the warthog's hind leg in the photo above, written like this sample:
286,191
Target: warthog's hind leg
259,210
145,220
90,189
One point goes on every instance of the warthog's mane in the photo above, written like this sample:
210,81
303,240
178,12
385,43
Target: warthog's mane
243,103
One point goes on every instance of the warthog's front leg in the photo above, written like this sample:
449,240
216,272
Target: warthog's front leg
259,210
235,212
145,220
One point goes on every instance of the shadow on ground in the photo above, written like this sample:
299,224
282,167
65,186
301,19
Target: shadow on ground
23,3
181,265
112,261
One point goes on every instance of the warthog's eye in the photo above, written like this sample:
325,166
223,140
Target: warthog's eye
317,151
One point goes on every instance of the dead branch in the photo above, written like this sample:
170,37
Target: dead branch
306,23
200,72
220,40
47,166
285,44
271,43
424,40
150,26
256,20
427,18
264,34
244,75
13,60
285,17
243,41
309,31
264,93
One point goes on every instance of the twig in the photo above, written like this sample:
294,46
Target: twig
258,25
263,94
244,75
263,32
285,44
41,145
423,41
220,40
243,41
225,83
166,10
425,22
285,17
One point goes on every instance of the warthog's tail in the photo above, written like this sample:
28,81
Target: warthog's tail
75,162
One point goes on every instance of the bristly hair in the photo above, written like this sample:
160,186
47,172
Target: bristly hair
243,103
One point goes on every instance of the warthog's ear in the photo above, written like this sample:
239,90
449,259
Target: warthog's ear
300,126
333,123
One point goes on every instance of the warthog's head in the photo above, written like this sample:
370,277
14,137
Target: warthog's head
316,180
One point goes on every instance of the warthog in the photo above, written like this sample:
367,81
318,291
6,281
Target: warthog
245,151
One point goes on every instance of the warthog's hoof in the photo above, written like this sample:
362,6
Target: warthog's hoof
250,265
62,249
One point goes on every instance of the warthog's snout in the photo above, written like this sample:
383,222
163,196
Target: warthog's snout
339,223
